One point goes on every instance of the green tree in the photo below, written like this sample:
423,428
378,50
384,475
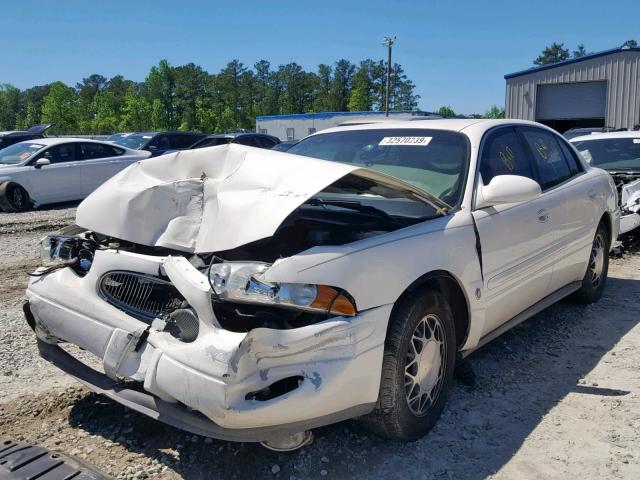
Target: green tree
60,107
340,88
106,113
630,43
553,53
580,51
9,106
136,112
362,95
31,106
321,96
159,89
494,112
446,111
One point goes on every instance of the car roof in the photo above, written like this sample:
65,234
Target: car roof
451,124
49,141
604,136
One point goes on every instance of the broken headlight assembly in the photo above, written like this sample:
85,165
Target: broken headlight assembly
242,282
58,251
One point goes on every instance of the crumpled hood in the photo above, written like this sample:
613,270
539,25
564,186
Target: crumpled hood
206,200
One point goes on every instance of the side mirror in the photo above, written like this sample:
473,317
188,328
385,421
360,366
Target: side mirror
41,162
507,189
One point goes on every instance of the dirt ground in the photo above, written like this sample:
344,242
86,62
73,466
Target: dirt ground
557,397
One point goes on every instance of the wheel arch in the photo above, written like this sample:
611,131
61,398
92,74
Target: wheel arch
4,203
606,219
447,284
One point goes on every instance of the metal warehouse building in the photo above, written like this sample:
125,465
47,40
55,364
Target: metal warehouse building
597,90
297,126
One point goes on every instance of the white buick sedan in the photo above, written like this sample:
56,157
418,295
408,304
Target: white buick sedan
253,295
51,170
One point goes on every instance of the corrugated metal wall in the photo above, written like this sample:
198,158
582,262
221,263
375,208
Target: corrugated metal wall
621,70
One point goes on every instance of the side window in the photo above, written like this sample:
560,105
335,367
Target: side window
572,159
162,142
97,150
549,160
182,141
248,140
60,153
504,154
267,142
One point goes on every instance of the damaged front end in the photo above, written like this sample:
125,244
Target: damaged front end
628,186
178,297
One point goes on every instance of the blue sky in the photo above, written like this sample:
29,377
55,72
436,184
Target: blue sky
456,52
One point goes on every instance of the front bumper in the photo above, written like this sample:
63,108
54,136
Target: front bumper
203,386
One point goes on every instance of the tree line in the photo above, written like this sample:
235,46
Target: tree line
187,97
557,52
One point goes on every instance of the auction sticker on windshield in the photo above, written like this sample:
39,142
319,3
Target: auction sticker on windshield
415,141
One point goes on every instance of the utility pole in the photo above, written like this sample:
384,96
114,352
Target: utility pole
388,41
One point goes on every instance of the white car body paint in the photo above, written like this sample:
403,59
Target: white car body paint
525,258
66,181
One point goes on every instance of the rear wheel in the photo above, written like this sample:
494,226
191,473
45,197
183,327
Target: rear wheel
14,198
417,368
595,277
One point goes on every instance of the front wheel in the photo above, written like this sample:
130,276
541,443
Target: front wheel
595,277
417,368
14,198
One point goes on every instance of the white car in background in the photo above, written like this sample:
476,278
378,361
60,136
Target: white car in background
251,295
619,154
51,170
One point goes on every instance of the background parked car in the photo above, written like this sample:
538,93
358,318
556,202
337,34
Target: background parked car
619,154
9,138
157,142
244,138
50,170
284,146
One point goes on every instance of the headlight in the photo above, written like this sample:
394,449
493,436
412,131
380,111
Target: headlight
242,282
60,250
56,249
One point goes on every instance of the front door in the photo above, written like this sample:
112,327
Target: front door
60,181
515,238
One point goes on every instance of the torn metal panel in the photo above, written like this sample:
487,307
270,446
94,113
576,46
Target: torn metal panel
216,199
193,200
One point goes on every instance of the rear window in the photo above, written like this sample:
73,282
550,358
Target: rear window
435,161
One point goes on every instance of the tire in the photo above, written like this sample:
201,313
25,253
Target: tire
595,278
403,412
14,198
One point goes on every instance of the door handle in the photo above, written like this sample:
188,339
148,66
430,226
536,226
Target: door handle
592,194
543,215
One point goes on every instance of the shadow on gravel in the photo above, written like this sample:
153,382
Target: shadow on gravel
520,377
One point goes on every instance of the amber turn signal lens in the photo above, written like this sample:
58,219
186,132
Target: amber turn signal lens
333,301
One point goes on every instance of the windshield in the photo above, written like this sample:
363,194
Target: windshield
19,152
611,153
433,160
133,141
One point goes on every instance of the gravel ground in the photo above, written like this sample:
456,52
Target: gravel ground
557,397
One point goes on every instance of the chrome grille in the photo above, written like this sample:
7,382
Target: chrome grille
142,296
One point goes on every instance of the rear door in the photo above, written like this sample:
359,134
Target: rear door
99,163
515,238
581,214
60,181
